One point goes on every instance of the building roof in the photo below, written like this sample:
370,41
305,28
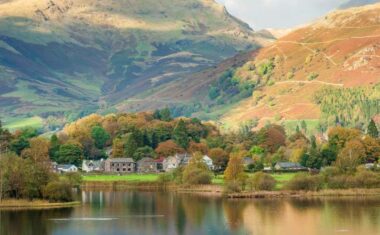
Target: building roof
289,165
65,166
122,160
145,159
96,164
248,161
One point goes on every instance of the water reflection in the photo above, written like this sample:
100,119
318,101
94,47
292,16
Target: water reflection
171,213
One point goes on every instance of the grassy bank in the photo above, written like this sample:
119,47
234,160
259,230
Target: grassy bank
117,178
308,194
35,204
151,178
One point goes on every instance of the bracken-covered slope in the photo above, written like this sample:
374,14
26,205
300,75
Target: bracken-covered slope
84,55
339,53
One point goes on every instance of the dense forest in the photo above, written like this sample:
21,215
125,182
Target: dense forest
350,107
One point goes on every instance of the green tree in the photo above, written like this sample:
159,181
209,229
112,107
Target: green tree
100,136
142,152
54,147
372,129
166,115
180,135
130,146
70,154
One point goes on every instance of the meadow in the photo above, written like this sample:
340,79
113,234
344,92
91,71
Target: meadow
281,178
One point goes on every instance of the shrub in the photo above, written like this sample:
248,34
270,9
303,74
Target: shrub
74,178
196,176
367,179
232,187
58,191
261,181
329,172
305,182
362,179
166,178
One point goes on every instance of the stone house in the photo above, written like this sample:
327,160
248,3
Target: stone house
90,165
147,165
120,165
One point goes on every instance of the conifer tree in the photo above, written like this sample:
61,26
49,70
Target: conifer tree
372,129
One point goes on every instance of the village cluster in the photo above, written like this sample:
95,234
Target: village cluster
149,165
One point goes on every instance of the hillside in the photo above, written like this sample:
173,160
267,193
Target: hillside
62,57
327,70
357,3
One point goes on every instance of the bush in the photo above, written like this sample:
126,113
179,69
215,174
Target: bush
58,191
305,182
329,172
166,178
74,178
261,181
232,187
362,179
196,176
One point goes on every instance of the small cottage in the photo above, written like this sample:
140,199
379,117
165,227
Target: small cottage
120,165
147,165
65,168
289,166
171,163
90,165
208,161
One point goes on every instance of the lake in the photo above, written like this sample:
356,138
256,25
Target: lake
162,213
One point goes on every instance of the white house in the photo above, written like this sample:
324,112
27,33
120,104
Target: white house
64,168
208,161
90,165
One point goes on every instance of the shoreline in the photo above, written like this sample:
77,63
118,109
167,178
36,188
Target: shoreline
218,190
21,204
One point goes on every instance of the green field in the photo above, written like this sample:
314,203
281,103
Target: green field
218,180
281,179
129,177
19,123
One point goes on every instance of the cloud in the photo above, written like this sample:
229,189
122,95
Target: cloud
279,13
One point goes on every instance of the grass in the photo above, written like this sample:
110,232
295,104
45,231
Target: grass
291,125
19,123
22,204
129,177
281,178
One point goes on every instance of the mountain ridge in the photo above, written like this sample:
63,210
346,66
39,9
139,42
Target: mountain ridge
88,55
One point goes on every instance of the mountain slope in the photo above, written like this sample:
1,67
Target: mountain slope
340,52
357,3
62,56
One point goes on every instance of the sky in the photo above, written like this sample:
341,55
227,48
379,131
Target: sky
279,14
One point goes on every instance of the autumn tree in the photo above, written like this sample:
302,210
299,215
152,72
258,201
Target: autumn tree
351,156
234,173
271,138
339,136
219,158
168,148
196,172
198,147
118,148
38,150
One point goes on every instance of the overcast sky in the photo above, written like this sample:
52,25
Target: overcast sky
279,13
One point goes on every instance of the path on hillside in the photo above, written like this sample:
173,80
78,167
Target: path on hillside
310,82
169,101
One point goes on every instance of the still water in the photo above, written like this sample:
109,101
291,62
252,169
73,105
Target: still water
159,213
